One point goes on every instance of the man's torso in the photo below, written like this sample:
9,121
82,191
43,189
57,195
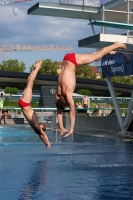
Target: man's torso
85,100
66,80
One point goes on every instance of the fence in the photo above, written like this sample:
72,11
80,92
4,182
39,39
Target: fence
75,2
83,122
44,113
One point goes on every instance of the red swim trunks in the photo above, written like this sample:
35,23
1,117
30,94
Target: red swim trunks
71,58
22,104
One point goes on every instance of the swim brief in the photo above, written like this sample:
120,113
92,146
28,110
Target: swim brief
71,58
22,104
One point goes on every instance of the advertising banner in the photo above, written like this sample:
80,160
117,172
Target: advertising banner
119,64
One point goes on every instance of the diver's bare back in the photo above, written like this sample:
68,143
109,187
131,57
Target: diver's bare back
67,79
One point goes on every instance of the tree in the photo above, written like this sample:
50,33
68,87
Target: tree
11,90
120,79
12,66
84,92
84,71
123,80
48,67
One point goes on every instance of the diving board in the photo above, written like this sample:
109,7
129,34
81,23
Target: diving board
112,24
102,40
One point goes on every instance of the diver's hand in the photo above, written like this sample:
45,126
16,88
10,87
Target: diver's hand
63,131
48,145
69,133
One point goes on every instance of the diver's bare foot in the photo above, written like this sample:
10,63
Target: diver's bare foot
120,45
38,64
112,52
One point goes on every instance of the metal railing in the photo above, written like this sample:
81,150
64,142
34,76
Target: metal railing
79,2
73,2
42,113
45,113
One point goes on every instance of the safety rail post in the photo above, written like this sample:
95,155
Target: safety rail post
83,4
127,20
112,92
103,18
128,117
92,27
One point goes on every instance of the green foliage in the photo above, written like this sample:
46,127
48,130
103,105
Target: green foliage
34,104
84,92
48,67
93,105
14,103
11,90
84,71
121,104
76,101
12,66
118,94
123,79
120,79
11,103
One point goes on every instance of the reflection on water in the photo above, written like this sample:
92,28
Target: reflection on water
80,167
37,180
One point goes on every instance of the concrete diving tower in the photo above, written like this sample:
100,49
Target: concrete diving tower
115,11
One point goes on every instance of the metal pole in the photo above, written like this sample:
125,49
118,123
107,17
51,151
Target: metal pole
59,1
117,109
88,111
92,27
103,16
129,117
83,3
127,19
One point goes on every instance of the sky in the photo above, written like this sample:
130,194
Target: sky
19,28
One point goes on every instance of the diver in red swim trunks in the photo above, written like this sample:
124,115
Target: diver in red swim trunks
30,115
67,81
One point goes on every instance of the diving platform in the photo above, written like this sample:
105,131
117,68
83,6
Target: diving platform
102,40
64,10
115,11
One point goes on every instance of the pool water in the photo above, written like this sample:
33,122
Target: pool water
80,167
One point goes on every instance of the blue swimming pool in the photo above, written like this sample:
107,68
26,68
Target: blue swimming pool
80,167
